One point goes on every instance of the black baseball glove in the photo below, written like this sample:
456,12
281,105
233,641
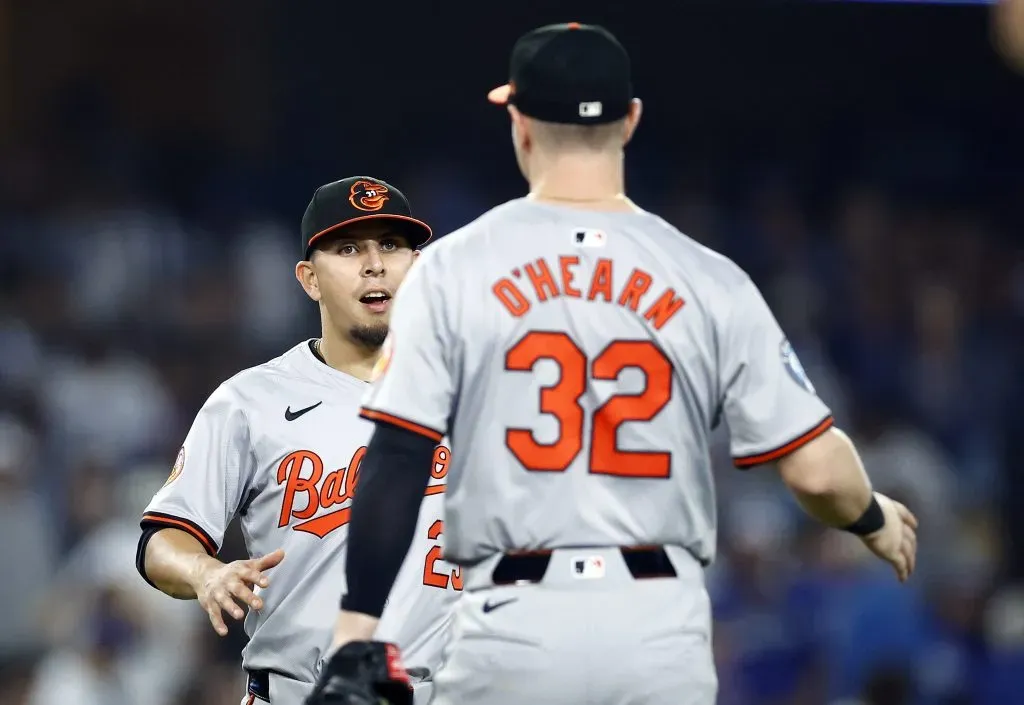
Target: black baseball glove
363,673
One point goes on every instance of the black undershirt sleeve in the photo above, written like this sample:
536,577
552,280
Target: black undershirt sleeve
392,479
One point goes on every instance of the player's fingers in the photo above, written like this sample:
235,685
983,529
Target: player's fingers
228,603
243,593
269,561
907,516
911,537
910,550
250,576
213,610
908,554
899,564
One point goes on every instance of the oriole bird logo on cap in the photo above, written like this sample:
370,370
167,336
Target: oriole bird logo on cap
368,195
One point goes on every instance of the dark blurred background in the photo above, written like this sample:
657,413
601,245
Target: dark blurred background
865,163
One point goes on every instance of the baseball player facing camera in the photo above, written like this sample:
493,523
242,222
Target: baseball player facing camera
580,385
280,446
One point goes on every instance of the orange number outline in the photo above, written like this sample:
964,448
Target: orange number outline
561,400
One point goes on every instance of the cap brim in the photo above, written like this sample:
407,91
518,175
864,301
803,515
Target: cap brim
500,95
416,231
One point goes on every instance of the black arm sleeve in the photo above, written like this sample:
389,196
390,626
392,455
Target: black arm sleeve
386,506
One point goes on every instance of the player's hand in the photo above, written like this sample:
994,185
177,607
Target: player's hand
896,542
221,587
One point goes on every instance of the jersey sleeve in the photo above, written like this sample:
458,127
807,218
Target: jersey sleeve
413,386
768,402
209,477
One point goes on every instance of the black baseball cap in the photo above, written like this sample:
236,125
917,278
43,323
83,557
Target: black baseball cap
355,200
568,73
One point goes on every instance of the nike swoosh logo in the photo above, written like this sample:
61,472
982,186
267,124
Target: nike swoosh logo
491,606
290,415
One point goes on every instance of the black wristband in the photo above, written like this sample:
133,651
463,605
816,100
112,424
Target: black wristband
870,521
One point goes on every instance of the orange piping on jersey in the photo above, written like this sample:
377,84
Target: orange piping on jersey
184,525
748,461
638,284
252,699
434,489
567,288
542,280
384,417
601,281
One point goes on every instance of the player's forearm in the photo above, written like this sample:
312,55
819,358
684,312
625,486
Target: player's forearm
174,562
394,473
828,480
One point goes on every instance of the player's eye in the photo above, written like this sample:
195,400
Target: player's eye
347,248
389,244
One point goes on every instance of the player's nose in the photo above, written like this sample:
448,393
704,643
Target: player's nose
373,265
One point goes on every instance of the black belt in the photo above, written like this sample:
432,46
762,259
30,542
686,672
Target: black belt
642,561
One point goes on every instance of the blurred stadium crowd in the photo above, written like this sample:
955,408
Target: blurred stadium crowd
123,304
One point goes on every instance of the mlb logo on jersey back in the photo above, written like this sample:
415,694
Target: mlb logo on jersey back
585,237
588,568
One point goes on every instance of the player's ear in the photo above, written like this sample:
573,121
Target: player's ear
306,275
636,108
415,254
520,128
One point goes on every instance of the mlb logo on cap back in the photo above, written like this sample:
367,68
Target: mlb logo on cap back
568,73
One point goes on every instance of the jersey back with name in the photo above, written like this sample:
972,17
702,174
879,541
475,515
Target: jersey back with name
580,361
280,447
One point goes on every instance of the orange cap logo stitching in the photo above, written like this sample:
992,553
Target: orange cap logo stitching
368,195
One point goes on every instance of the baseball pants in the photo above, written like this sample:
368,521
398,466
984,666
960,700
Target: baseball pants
596,626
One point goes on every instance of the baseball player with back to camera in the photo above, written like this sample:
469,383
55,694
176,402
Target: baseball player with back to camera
281,445
579,350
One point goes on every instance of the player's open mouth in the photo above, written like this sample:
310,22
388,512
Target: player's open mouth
376,301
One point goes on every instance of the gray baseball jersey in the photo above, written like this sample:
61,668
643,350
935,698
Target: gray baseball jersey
579,361
279,446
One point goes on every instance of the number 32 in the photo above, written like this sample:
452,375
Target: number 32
562,400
